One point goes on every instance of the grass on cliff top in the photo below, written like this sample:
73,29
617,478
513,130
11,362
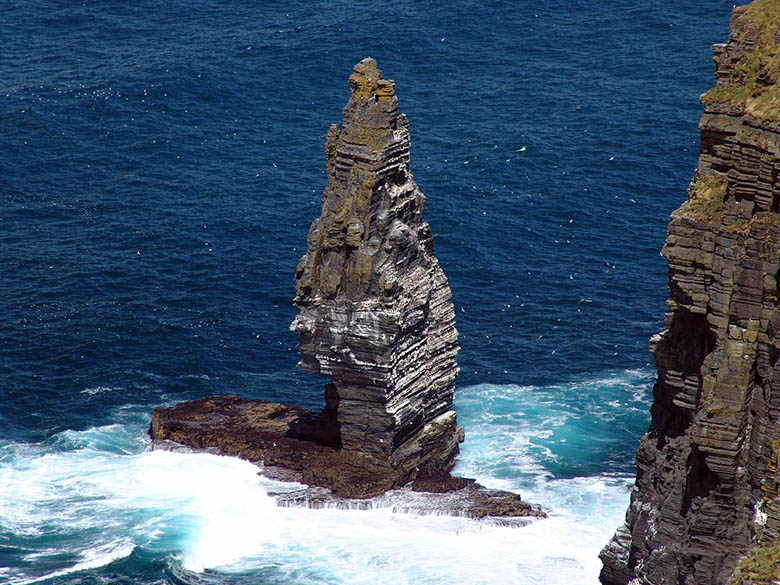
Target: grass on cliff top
706,201
760,22
761,567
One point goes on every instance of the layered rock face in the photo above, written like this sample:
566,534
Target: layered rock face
375,313
707,487
375,316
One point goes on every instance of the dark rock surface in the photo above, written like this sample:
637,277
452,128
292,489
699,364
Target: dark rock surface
282,439
707,484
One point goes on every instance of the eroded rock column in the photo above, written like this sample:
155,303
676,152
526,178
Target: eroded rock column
375,313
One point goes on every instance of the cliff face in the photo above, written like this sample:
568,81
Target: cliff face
707,470
375,313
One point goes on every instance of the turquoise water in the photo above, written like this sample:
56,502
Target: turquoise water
98,503
160,165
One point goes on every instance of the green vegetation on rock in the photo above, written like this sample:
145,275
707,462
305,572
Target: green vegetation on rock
706,200
761,567
707,203
754,72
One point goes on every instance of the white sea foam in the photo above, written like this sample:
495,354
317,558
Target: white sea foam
214,513
102,495
91,558
94,390
376,546
101,504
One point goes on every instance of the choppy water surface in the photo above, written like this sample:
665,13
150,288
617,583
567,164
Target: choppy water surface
159,168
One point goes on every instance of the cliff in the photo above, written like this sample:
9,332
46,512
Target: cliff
707,482
375,313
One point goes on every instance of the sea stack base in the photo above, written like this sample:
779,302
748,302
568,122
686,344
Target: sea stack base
289,437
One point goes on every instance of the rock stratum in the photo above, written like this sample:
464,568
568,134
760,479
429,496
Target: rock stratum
707,490
376,317
375,310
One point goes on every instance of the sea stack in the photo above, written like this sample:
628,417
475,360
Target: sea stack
375,310
708,472
376,316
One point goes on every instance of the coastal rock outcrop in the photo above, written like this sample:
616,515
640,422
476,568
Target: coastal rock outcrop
375,315
708,489
287,442
375,309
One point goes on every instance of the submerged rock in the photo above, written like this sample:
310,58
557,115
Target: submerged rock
707,487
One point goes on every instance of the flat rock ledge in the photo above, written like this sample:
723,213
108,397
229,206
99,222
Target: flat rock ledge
288,443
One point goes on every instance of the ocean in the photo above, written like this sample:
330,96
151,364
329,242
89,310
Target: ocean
160,164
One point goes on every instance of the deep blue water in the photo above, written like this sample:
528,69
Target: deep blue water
160,164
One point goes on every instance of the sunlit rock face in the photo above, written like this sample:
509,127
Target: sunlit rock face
708,489
375,309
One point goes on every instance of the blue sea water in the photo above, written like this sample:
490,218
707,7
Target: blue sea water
160,164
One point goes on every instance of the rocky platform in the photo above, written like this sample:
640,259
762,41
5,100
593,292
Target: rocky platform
284,440
708,489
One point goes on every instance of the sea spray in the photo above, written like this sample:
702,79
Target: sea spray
84,499
521,435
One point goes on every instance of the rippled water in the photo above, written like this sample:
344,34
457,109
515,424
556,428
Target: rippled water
159,168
